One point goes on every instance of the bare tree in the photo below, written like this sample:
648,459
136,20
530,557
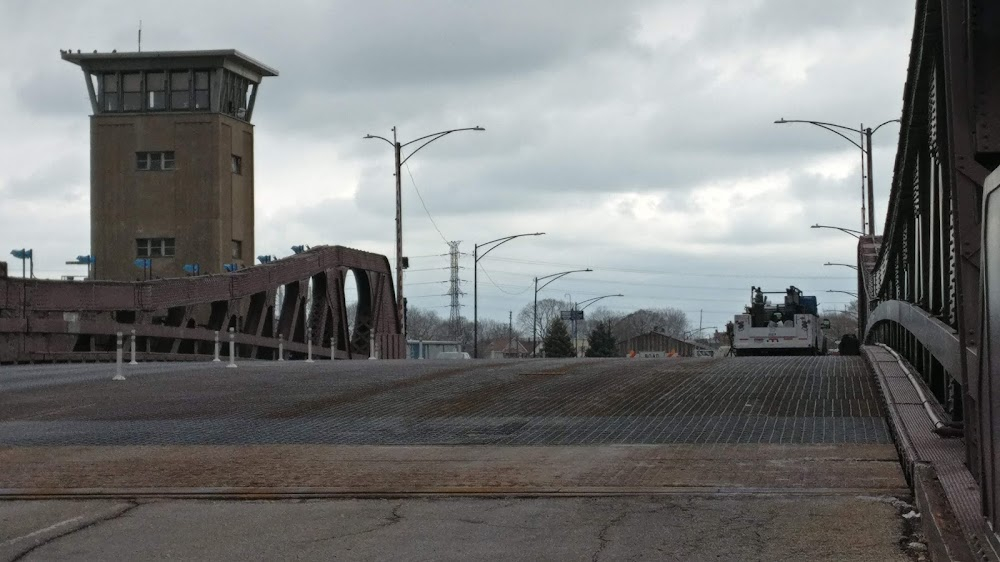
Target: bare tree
352,316
548,309
670,321
842,322
674,322
424,324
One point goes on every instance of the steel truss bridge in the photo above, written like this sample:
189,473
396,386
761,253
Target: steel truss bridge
929,286
286,303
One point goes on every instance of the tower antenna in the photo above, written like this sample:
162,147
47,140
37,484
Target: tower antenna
140,36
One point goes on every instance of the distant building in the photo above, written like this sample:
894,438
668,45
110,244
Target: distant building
507,349
655,344
420,349
171,160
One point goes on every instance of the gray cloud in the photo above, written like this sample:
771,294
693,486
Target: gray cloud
586,104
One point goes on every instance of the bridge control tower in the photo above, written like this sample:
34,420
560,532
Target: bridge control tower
171,160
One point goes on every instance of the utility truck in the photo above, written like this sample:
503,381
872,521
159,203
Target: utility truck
789,327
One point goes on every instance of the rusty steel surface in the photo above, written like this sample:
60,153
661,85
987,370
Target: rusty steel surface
295,298
923,294
578,402
331,470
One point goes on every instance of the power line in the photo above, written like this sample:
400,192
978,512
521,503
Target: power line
424,205
655,272
495,284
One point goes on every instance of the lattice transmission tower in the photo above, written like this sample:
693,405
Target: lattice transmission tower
455,291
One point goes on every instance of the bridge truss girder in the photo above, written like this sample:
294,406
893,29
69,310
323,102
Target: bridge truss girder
288,301
924,293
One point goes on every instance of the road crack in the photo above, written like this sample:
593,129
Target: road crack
602,535
49,540
486,524
393,518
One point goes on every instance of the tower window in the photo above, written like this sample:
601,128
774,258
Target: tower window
154,247
180,90
201,89
109,92
237,249
156,90
237,165
132,91
155,161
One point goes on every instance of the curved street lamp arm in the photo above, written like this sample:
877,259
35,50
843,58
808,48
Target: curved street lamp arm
555,276
689,332
818,124
854,267
854,233
502,241
416,150
432,138
886,123
845,292
440,133
828,127
595,299
378,137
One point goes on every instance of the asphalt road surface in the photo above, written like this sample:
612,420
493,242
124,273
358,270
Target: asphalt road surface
725,459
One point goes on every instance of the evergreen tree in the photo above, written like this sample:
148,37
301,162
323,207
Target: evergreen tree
602,342
557,342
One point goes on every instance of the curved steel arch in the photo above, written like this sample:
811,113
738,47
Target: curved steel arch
940,339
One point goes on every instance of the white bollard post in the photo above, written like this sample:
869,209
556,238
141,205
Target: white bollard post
281,348
118,362
333,350
217,346
132,362
371,347
232,349
309,346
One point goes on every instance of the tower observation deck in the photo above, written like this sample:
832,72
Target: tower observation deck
171,160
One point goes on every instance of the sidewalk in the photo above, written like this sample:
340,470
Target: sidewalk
945,490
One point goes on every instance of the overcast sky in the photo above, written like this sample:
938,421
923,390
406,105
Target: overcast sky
638,135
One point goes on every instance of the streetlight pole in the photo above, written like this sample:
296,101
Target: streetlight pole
866,134
572,317
534,320
397,149
854,267
590,302
475,282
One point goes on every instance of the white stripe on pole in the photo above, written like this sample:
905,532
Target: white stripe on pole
309,346
281,348
217,346
332,350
